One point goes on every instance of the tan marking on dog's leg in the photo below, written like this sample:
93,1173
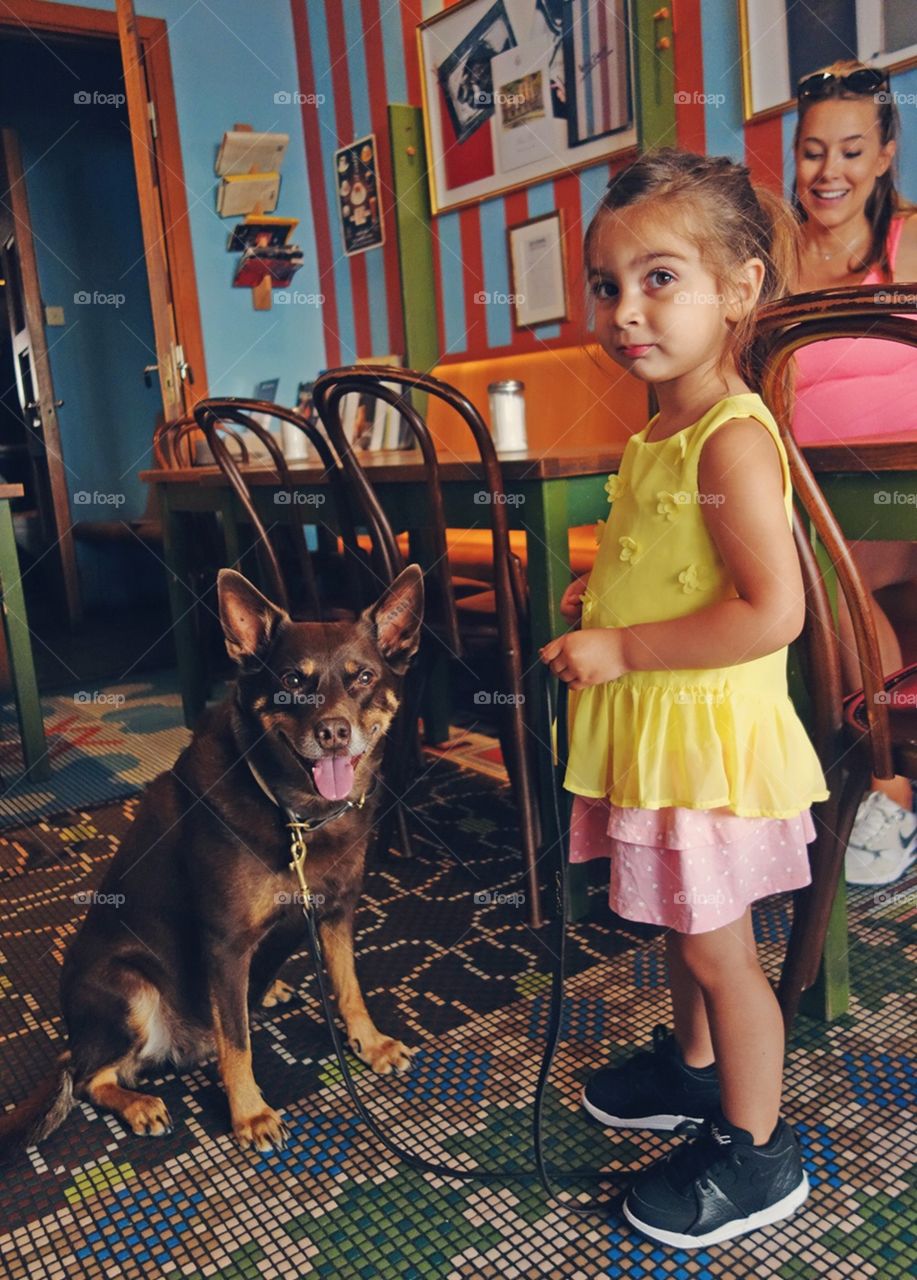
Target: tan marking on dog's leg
380,1052
142,1112
279,992
254,1123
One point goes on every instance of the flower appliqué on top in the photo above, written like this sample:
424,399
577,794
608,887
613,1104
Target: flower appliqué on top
667,503
691,579
629,550
614,487
587,600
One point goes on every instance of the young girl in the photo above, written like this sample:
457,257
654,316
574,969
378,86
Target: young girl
690,767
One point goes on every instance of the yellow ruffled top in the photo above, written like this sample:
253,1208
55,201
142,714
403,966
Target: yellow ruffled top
726,737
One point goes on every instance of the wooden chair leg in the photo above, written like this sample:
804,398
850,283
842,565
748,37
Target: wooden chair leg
812,905
516,754
402,754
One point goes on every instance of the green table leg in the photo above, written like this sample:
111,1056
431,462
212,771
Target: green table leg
19,646
546,520
436,695
829,996
230,526
183,603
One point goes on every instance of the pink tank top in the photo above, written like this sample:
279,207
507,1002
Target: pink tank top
850,388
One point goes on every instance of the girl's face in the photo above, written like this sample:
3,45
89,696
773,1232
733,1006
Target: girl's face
659,312
839,156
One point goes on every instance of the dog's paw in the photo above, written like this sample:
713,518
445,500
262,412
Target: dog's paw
147,1115
264,1131
384,1055
278,992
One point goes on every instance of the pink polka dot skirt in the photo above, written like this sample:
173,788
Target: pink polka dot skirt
691,870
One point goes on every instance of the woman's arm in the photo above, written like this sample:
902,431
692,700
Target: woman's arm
741,486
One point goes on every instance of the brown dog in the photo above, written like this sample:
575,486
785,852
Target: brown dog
199,908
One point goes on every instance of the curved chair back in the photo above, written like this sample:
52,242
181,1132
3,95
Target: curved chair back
222,419
174,444
860,311
394,386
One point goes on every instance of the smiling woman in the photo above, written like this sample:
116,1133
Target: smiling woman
856,229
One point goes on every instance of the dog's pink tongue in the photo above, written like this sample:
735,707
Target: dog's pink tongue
334,777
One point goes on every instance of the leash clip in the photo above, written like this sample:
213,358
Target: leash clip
299,849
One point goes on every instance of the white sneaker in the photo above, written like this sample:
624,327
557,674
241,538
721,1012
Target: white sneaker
883,842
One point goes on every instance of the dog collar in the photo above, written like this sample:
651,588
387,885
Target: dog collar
300,827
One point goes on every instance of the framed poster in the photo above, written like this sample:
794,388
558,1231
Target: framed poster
537,282
782,40
359,205
515,91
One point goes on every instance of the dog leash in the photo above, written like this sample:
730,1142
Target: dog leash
300,830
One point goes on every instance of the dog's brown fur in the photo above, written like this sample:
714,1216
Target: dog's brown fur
199,908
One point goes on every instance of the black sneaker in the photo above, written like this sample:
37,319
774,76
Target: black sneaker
652,1090
718,1186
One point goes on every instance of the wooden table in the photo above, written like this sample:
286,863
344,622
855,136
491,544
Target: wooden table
872,487
19,645
546,495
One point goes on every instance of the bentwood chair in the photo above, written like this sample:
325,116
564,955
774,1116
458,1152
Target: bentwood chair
451,621
873,732
322,578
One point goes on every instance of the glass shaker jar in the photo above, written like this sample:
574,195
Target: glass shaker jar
507,415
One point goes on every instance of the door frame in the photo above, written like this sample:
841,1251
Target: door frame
66,19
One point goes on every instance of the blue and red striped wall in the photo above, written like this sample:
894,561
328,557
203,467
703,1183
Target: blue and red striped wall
358,56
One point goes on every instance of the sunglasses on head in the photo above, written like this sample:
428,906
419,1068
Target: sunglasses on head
821,83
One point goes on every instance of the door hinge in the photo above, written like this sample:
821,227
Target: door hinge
151,110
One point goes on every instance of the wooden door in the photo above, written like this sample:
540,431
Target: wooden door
174,371
34,386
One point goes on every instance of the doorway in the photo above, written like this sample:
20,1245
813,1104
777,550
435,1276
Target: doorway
102,173
74,212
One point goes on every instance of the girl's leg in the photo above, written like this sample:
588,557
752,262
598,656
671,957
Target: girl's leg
746,1027
689,1014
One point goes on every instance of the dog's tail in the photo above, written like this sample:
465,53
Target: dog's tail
38,1115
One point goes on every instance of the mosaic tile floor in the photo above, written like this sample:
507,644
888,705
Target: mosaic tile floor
103,744
448,962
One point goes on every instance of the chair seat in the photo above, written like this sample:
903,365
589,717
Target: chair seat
470,550
483,604
470,553
901,692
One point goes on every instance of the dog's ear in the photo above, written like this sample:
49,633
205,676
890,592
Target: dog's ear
396,618
248,618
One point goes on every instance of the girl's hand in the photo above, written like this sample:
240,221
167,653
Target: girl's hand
571,602
584,658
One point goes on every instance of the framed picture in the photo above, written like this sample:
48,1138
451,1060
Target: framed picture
517,90
537,280
783,40
597,72
464,75
358,196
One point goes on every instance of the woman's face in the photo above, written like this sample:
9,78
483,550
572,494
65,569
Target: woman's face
839,156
